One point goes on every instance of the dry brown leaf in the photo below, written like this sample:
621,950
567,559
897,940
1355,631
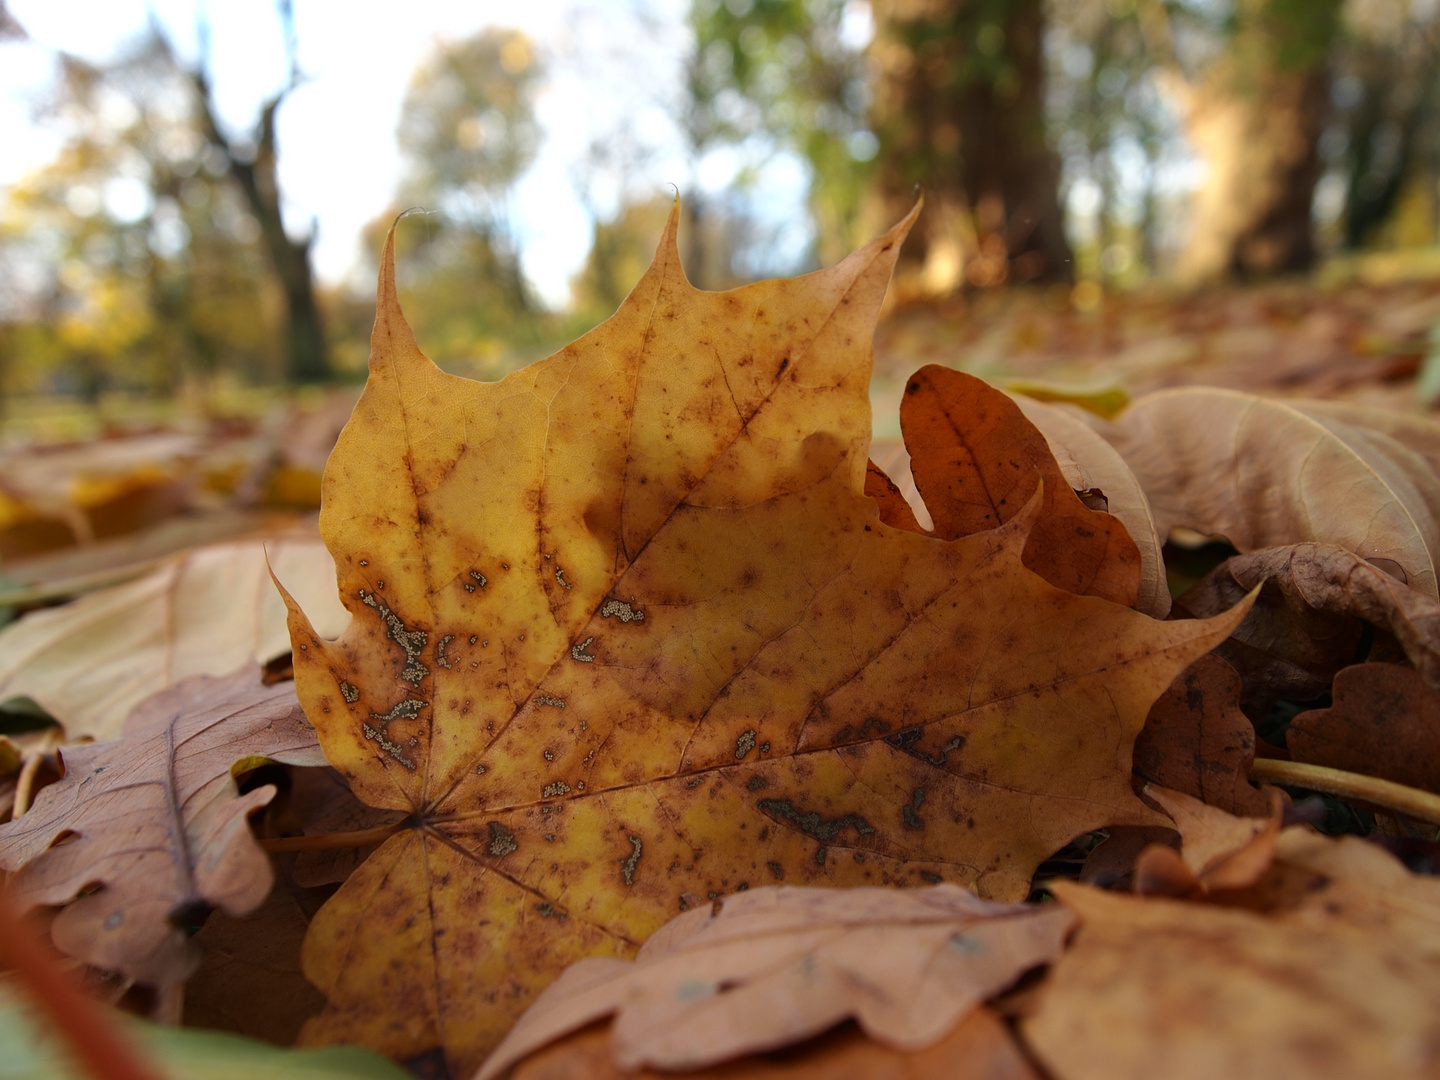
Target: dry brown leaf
1198,742
980,1048
1163,988
1090,463
207,612
1218,851
1261,474
1384,722
975,459
250,980
775,966
322,803
1303,628
628,632
1358,881
1420,434
160,825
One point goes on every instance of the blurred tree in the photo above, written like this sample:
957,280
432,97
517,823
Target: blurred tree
467,132
783,70
620,253
252,164
960,113
1385,96
140,260
1255,111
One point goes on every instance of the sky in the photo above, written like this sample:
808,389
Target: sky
614,75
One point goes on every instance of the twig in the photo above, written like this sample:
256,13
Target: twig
333,841
25,784
1412,802
82,1024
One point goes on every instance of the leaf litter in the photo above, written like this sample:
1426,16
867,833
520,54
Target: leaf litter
626,635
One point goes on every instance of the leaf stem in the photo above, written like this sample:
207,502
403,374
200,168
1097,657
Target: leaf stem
1412,802
333,841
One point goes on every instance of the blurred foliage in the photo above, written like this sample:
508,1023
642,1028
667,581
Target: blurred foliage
782,69
139,260
134,262
467,132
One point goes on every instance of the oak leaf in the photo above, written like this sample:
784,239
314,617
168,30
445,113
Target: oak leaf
975,458
1198,742
1384,721
627,633
156,820
1306,623
775,966
90,662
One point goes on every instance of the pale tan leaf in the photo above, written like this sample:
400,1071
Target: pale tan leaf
1261,473
1419,433
1185,991
155,818
980,1048
91,661
1089,462
1222,851
776,965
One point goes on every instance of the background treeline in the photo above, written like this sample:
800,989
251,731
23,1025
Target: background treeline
1110,141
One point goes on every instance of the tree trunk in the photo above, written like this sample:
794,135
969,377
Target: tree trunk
307,351
960,112
1257,121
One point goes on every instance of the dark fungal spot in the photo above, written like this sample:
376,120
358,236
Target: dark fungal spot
629,866
777,870
911,812
757,783
811,823
502,840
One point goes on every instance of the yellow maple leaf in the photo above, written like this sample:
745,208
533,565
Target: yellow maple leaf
628,635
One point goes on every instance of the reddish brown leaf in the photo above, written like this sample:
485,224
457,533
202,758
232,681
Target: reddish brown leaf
1197,741
976,459
1384,722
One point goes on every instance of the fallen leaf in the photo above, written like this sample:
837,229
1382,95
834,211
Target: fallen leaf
980,1048
1384,722
628,631
93,660
892,460
156,819
1197,741
1089,463
324,804
1261,474
1360,882
1218,851
1420,434
250,981
775,966
975,458
1304,626
1111,863
1193,991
